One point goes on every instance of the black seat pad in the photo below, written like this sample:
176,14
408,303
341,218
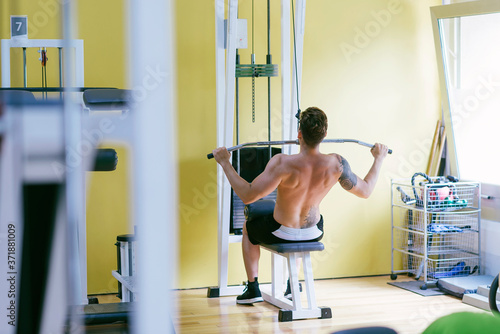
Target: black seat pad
106,97
293,247
16,97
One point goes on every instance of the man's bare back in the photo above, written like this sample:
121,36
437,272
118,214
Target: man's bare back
306,179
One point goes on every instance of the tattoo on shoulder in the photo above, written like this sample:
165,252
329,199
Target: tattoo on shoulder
348,179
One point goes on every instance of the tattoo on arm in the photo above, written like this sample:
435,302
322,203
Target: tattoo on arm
348,179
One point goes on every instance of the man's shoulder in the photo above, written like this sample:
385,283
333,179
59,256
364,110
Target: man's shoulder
284,161
278,157
277,160
335,157
335,162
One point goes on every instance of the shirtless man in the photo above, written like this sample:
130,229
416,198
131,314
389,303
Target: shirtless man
302,180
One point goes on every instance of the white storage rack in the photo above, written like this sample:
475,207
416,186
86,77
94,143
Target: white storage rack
435,229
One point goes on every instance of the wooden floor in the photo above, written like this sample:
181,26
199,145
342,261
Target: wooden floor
355,302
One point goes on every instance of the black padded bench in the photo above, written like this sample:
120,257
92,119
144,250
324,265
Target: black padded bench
99,314
107,99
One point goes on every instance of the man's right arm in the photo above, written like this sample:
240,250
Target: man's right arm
363,187
261,186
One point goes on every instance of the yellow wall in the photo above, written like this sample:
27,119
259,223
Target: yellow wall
101,24
374,75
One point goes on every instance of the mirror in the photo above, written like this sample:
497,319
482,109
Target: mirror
471,51
467,38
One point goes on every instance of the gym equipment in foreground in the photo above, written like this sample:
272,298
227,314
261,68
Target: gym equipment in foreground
34,137
32,206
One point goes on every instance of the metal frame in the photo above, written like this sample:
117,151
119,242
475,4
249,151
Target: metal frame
77,239
28,153
154,163
273,293
11,179
77,44
225,63
127,275
290,130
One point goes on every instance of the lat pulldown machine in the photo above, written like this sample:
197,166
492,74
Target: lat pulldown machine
228,70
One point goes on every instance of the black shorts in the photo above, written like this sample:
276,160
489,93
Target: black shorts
260,231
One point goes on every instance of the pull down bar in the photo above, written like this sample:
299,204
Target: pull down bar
296,142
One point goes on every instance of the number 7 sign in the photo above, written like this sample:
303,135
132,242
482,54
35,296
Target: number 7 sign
19,26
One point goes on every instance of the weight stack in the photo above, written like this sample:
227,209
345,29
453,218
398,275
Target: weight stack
252,161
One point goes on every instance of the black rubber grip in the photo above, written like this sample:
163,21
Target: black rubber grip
106,160
492,296
115,98
210,156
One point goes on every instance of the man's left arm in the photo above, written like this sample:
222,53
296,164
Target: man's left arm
363,187
263,184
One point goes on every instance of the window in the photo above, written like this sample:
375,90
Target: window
467,39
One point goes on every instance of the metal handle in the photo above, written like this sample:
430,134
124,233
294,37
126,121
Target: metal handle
296,142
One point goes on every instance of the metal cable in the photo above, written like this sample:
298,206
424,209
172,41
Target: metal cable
297,115
253,62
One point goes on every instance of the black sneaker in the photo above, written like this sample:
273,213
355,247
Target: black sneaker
288,292
251,294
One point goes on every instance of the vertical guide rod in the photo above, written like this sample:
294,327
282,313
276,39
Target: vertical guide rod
76,285
237,109
295,66
25,69
237,106
60,71
269,61
237,101
286,105
252,61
